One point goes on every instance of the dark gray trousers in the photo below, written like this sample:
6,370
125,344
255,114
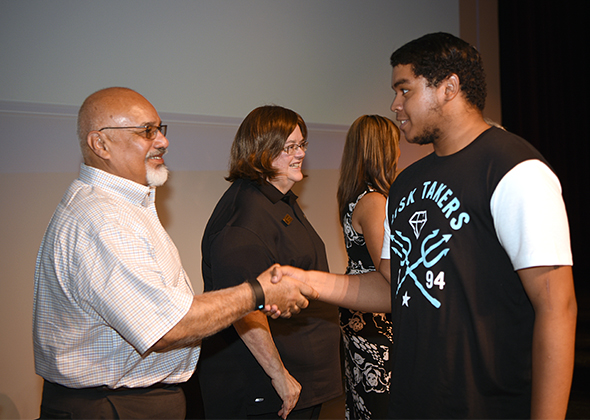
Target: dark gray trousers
156,402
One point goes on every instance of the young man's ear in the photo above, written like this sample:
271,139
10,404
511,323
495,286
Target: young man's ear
452,86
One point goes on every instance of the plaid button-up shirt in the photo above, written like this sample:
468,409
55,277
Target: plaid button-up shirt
108,285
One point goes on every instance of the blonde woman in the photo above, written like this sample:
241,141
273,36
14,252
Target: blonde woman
368,168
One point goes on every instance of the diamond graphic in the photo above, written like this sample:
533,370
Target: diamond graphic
417,221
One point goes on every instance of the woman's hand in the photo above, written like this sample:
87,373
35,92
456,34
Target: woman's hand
288,389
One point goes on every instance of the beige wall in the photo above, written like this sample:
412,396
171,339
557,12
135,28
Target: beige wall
184,204
40,94
194,195
479,27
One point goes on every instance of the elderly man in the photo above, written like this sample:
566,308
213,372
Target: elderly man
116,323
477,252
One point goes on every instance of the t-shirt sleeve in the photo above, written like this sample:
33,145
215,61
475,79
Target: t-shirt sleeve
530,217
385,251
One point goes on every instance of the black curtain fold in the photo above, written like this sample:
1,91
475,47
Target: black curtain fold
544,68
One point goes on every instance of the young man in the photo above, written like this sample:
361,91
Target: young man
476,250
115,325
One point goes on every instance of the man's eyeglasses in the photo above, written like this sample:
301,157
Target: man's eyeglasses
151,131
292,149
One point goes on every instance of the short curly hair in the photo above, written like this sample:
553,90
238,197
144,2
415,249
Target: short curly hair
260,140
436,56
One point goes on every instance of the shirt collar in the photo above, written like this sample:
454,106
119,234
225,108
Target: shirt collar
274,195
129,190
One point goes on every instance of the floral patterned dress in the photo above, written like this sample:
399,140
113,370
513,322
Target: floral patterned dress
367,339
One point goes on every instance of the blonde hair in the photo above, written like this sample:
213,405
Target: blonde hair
369,159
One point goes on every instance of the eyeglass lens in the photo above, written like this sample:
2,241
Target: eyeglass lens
292,149
151,131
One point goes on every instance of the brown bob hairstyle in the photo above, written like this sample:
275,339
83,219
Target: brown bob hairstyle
369,158
260,140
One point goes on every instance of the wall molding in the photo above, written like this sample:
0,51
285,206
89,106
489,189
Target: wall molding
41,137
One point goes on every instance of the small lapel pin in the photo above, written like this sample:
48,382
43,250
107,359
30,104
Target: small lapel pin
287,220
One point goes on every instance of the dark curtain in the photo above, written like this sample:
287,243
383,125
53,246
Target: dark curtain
544,67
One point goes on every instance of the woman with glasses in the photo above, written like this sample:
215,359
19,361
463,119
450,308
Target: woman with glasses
260,367
369,163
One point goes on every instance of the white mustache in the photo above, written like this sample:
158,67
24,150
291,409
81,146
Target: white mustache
160,151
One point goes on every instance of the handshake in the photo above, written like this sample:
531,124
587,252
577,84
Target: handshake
285,290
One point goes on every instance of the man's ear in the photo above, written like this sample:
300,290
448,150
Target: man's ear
97,144
452,87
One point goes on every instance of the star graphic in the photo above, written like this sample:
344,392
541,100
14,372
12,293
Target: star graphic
406,299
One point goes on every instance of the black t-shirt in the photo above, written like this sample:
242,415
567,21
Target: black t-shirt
252,227
462,320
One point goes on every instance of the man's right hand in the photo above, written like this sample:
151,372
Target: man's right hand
287,296
278,271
